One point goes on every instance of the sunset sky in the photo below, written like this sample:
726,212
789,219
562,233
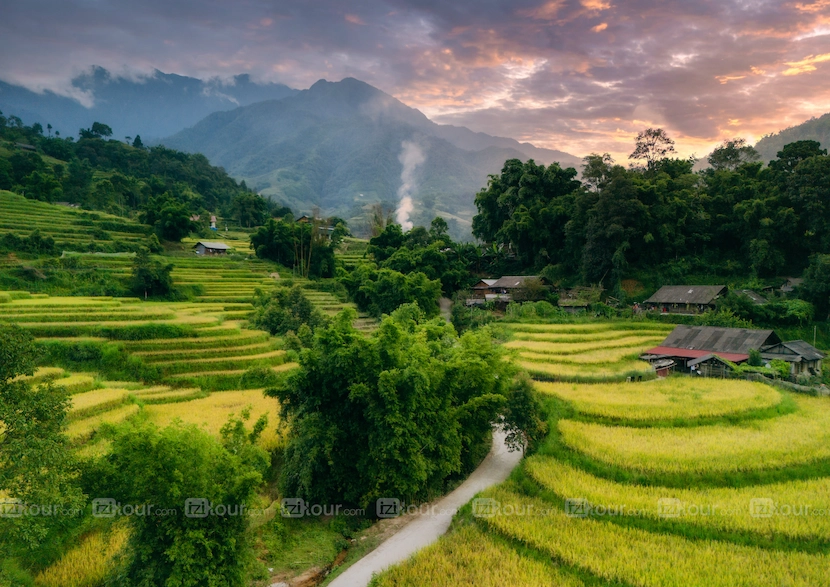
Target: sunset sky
575,75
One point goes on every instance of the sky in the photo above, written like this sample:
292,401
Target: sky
580,76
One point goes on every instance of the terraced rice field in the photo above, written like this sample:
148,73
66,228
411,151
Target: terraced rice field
208,351
72,228
586,352
683,481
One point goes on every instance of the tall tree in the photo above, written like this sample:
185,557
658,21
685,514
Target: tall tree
652,145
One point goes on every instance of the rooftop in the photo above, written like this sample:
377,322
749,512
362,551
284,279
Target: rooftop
212,245
687,294
720,340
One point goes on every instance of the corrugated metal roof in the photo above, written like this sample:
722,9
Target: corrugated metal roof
686,294
703,359
713,338
212,245
512,281
695,354
796,347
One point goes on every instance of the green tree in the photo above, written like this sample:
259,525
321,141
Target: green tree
731,154
137,142
250,209
652,145
395,414
816,286
36,464
204,483
151,278
286,309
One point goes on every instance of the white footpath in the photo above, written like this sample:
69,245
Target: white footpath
433,519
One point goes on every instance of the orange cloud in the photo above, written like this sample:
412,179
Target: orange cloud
816,6
806,65
728,78
354,19
600,27
596,4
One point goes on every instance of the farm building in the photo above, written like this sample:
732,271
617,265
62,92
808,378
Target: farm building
687,343
573,306
711,365
210,248
685,299
804,358
482,288
510,283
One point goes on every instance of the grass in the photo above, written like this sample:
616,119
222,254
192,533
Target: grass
619,371
665,399
792,439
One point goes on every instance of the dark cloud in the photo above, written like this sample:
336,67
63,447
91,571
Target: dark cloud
579,75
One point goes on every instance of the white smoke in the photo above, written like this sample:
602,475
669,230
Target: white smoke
411,157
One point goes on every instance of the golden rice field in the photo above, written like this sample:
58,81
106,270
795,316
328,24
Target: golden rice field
585,353
638,557
573,348
794,439
662,399
802,508
88,564
471,557
213,411
721,526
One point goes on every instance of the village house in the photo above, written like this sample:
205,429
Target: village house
711,351
501,290
804,358
685,299
211,248
685,344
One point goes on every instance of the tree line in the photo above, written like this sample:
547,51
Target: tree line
659,217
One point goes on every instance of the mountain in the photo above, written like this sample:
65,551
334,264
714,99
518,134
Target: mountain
155,106
340,146
815,129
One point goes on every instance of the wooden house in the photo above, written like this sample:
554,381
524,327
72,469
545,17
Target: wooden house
211,248
711,365
687,343
482,288
685,299
804,358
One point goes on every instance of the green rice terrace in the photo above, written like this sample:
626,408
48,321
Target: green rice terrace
72,229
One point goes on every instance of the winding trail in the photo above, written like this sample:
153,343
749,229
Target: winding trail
434,519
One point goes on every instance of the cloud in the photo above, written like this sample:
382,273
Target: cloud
532,69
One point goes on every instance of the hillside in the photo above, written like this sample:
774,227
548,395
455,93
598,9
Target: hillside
337,145
153,107
815,129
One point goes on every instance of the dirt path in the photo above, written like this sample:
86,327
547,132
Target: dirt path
433,519
446,308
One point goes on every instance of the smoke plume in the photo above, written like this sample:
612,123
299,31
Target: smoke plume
411,157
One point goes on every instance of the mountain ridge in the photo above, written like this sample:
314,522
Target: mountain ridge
337,145
153,106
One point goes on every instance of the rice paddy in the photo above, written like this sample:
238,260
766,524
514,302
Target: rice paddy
678,481
665,399
798,438
585,353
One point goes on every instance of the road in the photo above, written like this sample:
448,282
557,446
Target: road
433,519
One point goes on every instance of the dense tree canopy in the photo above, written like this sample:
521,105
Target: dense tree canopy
737,217
391,415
